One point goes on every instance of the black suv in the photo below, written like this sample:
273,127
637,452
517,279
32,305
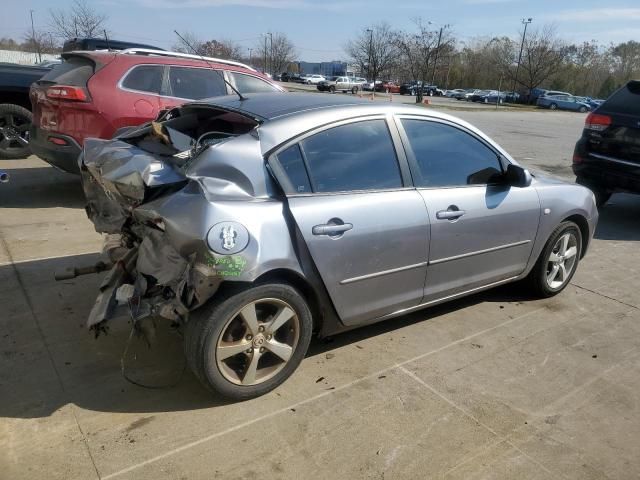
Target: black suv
607,156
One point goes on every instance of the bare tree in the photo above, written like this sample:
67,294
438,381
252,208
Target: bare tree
374,50
188,42
419,51
81,20
40,41
275,52
543,55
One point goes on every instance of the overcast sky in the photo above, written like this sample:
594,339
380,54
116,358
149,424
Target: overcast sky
320,28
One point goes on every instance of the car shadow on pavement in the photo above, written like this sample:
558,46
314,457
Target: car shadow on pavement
506,293
49,359
41,187
618,219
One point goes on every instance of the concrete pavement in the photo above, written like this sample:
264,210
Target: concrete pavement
492,386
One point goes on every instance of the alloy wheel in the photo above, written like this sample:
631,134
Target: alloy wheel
257,342
14,132
562,260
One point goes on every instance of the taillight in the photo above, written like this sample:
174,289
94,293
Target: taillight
577,158
64,92
597,122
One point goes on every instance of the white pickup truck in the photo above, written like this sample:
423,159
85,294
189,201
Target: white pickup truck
344,84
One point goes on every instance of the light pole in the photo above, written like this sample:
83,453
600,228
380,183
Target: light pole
250,51
271,54
370,32
435,60
524,34
264,56
33,38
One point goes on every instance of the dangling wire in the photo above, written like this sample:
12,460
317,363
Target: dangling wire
126,350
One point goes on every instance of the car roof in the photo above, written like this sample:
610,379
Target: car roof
284,116
268,106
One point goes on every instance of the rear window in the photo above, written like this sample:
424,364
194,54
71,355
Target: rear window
625,101
75,71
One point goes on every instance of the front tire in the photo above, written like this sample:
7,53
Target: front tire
553,106
558,261
247,343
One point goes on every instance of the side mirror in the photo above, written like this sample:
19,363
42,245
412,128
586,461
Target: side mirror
516,176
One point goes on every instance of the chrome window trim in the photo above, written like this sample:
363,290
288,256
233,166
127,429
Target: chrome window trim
400,156
165,66
120,85
410,154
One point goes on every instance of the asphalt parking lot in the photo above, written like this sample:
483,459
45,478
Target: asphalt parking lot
492,386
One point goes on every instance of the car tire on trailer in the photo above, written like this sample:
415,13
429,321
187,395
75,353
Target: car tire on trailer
602,194
247,342
553,106
15,122
558,261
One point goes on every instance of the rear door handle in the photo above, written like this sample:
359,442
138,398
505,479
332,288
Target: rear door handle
331,229
449,214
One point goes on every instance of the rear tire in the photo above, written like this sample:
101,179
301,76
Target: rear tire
553,106
354,90
557,262
15,122
222,326
332,89
583,109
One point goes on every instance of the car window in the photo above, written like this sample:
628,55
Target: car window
626,100
449,157
144,78
293,165
196,83
356,156
251,84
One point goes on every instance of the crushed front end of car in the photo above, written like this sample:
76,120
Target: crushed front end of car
186,204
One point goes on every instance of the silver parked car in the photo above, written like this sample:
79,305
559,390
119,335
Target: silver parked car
256,223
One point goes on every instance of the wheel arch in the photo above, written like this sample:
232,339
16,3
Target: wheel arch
583,225
298,281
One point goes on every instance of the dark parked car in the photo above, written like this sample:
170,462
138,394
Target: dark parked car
607,156
290,77
94,94
563,102
15,107
314,214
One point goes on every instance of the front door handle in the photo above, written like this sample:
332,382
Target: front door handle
451,213
331,229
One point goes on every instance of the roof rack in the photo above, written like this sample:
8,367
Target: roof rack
164,53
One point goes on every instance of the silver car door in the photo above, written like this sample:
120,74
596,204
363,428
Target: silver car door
482,230
367,233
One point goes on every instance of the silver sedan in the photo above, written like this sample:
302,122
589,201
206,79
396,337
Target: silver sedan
256,223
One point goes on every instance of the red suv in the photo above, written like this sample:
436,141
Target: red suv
95,93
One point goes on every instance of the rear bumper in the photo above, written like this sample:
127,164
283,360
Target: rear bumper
64,157
607,172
